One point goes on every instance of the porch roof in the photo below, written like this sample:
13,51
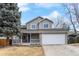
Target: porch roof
48,31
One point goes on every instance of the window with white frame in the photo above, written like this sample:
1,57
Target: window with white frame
33,26
45,26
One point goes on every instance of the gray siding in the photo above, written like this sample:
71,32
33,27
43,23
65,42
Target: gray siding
41,25
29,25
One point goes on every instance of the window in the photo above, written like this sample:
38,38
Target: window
45,26
33,26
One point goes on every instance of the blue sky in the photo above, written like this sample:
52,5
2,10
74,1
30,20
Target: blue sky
32,10
46,10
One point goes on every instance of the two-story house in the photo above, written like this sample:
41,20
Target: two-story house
40,31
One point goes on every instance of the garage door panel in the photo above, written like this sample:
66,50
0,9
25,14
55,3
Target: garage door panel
53,38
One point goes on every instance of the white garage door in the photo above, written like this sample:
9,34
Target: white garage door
53,39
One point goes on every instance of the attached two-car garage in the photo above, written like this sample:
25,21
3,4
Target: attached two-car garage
53,39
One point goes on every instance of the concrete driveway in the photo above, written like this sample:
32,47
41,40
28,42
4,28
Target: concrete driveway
61,50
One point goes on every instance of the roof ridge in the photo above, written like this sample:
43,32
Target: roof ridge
46,19
34,19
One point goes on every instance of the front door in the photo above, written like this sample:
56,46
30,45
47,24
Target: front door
28,38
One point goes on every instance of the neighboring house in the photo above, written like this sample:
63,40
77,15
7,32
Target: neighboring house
40,31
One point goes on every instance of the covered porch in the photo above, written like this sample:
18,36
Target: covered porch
30,38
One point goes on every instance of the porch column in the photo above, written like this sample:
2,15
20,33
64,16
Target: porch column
30,37
27,37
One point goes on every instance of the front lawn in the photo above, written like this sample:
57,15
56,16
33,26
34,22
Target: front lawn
21,51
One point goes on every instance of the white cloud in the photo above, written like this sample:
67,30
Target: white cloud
23,7
46,5
53,14
22,4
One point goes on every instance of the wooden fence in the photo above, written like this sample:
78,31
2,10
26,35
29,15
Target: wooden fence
5,42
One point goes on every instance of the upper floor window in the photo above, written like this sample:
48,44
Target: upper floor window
45,26
33,26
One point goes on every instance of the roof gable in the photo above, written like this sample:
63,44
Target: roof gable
47,20
42,19
34,19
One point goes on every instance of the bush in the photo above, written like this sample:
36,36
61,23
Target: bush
77,39
71,39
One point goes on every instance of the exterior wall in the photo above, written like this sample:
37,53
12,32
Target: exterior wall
66,41
41,25
29,25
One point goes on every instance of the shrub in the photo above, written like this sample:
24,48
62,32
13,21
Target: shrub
71,39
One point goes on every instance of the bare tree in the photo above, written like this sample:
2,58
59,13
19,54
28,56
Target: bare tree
58,21
68,10
75,11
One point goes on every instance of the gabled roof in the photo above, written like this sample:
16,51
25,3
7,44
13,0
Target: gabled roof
34,19
47,20
43,19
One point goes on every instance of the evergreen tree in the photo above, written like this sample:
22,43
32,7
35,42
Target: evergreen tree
9,19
